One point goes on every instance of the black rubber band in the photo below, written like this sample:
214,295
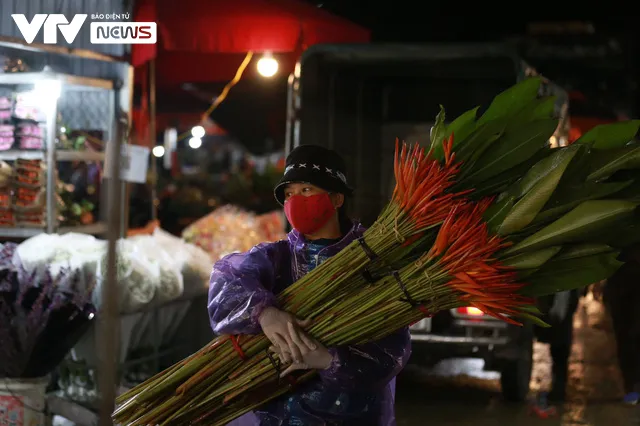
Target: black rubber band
367,276
367,250
276,364
409,300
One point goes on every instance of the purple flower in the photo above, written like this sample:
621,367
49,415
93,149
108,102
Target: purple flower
28,299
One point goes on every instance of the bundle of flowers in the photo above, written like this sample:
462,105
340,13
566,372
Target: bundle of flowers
489,216
40,321
228,229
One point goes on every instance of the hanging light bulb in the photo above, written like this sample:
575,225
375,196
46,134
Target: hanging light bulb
198,132
158,151
195,143
267,65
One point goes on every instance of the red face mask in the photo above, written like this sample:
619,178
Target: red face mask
309,214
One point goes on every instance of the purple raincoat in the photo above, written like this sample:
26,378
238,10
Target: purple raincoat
357,389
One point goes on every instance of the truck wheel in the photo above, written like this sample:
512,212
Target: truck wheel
516,374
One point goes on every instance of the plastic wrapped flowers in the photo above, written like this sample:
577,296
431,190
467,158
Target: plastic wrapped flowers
40,321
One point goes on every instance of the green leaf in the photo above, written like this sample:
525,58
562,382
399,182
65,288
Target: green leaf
438,130
575,226
524,273
569,274
525,233
628,192
512,100
500,183
545,107
530,309
479,141
534,319
538,109
609,162
492,187
538,184
514,147
607,136
583,250
579,167
531,260
544,167
461,128
625,234
496,213
568,198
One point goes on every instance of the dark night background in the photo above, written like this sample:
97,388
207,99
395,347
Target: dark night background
611,79
594,55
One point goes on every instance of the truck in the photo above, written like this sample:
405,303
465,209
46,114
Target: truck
357,100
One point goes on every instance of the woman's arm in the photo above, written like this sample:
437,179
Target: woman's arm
368,366
241,286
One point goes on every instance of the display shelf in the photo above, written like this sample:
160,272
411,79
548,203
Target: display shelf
61,155
14,154
162,353
65,155
97,228
98,106
20,232
69,82
71,88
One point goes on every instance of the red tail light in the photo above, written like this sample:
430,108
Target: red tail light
471,311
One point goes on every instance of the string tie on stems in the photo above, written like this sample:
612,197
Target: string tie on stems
430,282
237,347
399,236
407,296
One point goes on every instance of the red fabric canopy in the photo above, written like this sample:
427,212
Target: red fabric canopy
201,41
205,40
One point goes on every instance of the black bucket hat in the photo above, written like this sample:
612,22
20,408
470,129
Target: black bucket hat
316,165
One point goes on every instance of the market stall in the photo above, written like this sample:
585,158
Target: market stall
244,43
38,150
160,277
61,129
64,114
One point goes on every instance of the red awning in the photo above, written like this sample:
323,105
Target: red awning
205,40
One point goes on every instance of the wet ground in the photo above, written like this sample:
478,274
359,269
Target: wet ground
460,393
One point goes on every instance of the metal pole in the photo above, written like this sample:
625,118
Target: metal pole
290,115
152,136
108,317
125,98
331,114
52,167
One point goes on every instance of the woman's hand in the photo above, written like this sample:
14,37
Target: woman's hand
283,330
318,359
